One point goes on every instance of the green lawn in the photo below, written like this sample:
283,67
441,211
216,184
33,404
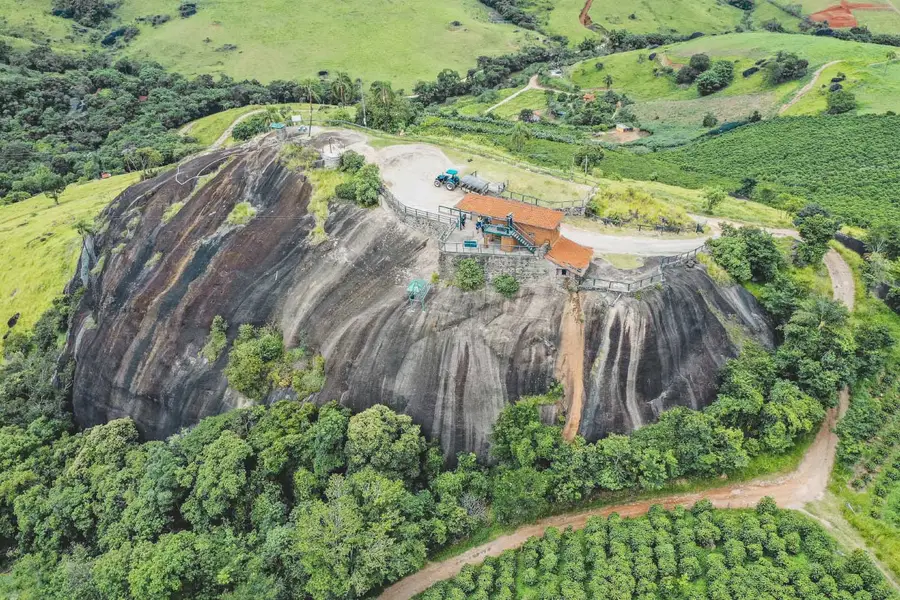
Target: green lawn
27,22
472,106
277,39
207,130
878,21
40,247
681,16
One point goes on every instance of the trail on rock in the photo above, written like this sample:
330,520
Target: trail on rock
806,88
805,484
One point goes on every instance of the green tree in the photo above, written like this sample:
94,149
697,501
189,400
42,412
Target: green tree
713,197
608,81
839,102
815,232
385,441
519,136
342,88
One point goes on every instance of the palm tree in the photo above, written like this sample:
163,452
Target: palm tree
383,91
310,89
820,313
341,87
85,228
608,80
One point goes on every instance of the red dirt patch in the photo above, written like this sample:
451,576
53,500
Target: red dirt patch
584,17
841,15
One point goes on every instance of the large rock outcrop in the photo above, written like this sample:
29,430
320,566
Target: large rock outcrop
452,367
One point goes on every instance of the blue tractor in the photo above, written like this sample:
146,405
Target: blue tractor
449,179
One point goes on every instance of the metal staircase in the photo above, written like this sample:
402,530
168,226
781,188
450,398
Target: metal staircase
512,232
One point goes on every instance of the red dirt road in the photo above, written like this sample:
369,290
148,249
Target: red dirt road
585,17
793,490
841,15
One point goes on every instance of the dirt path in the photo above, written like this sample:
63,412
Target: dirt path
227,133
532,85
793,490
806,88
585,17
570,365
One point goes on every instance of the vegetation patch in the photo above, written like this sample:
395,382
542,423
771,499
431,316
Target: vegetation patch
635,207
241,214
173,210
469,274
216,341
507,285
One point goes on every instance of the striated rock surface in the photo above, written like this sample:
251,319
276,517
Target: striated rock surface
147,311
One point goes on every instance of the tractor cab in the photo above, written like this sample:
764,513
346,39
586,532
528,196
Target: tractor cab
448,179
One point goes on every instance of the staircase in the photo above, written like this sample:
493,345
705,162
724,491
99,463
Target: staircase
512,232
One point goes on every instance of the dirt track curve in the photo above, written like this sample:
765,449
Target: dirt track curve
806,88
227,133
793,490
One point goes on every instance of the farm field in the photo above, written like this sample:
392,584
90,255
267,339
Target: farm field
848,164
39,239
532,99
376,39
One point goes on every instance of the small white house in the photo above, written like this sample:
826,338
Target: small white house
296,119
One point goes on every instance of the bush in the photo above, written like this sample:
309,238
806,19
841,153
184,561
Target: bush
368,185
469,274
786,66
710,120
506,285
352,161
686,75
718,77
700,63
216,340
839,102
588,157
250,127
241,214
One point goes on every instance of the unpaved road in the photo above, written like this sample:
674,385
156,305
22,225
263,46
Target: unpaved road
227,133
806,88
793,490
532,85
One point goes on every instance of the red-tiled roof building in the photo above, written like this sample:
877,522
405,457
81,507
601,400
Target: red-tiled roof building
540,225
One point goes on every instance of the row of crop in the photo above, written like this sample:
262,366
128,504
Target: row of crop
674,554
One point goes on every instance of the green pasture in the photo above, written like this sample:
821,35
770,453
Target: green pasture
207,130
27,22
875,85
680,16
40,245
879,21
532,99
377,39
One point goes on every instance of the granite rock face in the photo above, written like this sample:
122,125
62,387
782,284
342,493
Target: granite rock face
139,328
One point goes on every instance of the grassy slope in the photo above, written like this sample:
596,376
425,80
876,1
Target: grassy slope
661,101
40,246
682,16
532,99
30,21
207,130
876,86
376,39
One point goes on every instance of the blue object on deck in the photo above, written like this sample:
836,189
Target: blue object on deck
452,172
470,243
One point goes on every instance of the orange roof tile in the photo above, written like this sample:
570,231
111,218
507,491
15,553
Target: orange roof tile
568,254
526,214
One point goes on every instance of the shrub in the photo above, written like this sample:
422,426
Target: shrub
506,285
216,340
368,185
700,63
352,161
469,274
719,76
172,211
686,75
250,127
786,66
710,120
839,102
241,214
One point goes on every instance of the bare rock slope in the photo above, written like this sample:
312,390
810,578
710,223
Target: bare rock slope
149,305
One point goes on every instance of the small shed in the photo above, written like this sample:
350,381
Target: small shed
622,127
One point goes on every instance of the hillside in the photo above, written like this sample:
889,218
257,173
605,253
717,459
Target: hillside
41,247
872,77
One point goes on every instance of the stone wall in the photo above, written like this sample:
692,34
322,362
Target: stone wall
522,267
429,223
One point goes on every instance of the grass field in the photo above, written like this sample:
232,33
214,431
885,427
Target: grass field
40,247
27,22
207,130
532,99
681,16
878,21
277,39
875,85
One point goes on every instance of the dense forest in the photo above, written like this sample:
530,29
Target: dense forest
696,553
